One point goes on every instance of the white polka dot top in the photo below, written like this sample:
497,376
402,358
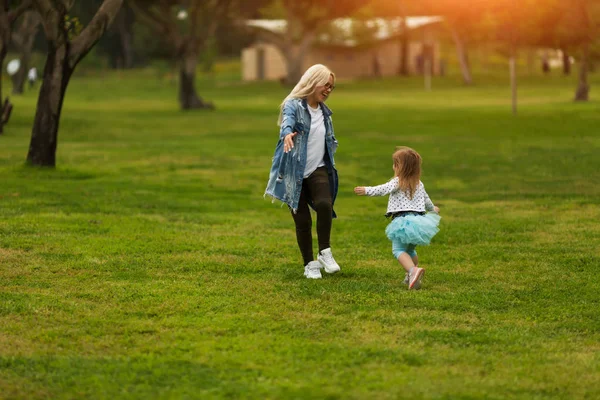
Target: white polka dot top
399,201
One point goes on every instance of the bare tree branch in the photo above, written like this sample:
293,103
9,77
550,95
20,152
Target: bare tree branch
158,22
51,19
17,12
217,14
147,17
95,29
27,29
306,42
195,22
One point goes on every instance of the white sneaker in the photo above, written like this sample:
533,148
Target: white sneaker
406,280
326,259
312,270
414,279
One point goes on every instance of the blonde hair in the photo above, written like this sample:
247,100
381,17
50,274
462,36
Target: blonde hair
407,167
317,75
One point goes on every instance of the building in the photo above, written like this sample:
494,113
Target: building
378,54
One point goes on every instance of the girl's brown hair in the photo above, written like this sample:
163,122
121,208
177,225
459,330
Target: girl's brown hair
407,167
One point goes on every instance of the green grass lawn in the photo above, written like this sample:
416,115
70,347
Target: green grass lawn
148,264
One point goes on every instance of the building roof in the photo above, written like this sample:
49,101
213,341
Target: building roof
343,31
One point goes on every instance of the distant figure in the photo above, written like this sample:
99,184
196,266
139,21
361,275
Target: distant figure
545,63
545,66
443,65
5,111
420,63
411,225
303,172
376,67
32,76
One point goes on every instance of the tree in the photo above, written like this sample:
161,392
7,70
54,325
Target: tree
509,20
117,43
518,24
401,9
124,35
8,15
68,44
579,29
549,36
404,42
23,39
304,20
188,25
466,22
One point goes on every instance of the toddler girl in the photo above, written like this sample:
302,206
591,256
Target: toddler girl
408,204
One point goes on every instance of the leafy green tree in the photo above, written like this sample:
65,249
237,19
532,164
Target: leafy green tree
119,41
464,21
577,30
305,18
9,12
188,26
551,23
68,43
23,38
548,30
117,44
468,26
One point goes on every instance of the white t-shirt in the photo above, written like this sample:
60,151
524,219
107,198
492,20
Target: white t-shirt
398,200
315,151
32,74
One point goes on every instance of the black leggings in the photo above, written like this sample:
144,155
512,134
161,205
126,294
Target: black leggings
316,188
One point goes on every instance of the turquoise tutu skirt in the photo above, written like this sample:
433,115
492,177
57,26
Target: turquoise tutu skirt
414,229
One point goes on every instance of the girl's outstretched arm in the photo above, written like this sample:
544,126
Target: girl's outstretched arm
382,190
360,190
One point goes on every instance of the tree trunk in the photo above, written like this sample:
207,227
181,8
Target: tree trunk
531,61
2,56
404,49
124,24
63,56
5,105
566,59
127,46
427,73
19,78
513,80
376,65
463,60
44,136
545,62
294,60
4,38
583,89
294,70
188,97
23,40
294,54
294,57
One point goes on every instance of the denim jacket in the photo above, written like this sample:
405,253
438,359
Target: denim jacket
287,171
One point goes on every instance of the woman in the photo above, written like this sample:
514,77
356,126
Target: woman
303,173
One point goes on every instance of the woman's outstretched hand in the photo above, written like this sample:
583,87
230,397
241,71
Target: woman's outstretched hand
288,142
360,190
